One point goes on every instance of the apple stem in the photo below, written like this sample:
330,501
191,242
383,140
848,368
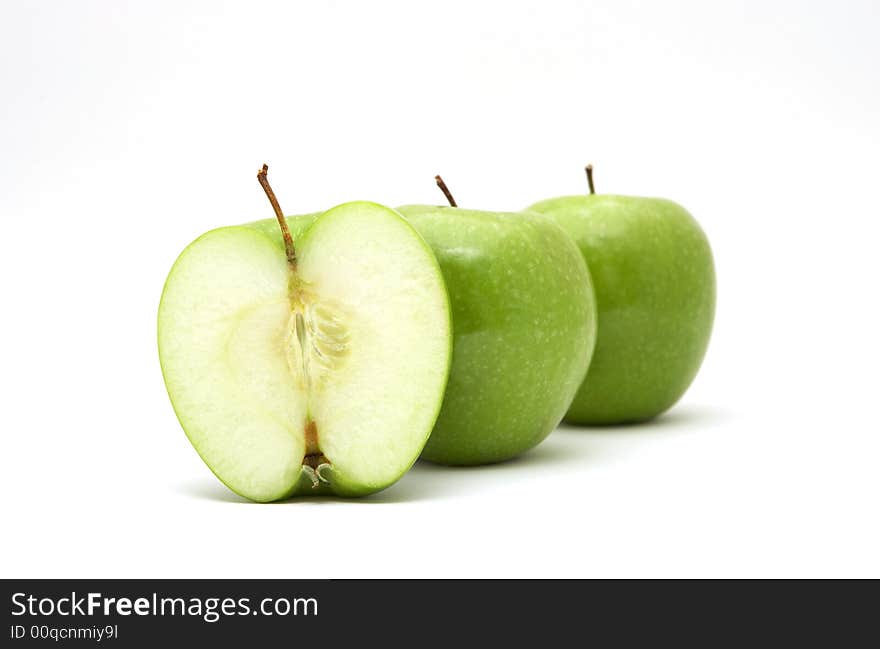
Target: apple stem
285,231
589,170
445,190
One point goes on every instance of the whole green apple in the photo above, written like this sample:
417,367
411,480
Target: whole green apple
309,359
524,325
654,281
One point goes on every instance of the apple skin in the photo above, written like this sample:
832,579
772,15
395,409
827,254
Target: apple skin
298,226
524,327
654,281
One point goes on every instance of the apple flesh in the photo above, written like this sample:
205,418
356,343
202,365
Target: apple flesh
654,280
322,377
524,322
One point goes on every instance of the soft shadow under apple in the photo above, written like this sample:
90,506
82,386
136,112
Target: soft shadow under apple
677,419
566,446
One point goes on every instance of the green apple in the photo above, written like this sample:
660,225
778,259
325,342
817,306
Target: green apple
654,280
314,369
524,319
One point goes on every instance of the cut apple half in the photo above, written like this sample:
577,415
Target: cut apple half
314,370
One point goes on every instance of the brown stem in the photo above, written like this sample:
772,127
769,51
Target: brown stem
445,190
285,231
589,170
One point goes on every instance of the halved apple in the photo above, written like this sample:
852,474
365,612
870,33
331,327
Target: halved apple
308,371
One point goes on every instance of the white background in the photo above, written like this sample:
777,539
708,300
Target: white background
129,128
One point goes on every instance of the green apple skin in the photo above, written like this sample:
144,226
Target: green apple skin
524,327
654,281
298,226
